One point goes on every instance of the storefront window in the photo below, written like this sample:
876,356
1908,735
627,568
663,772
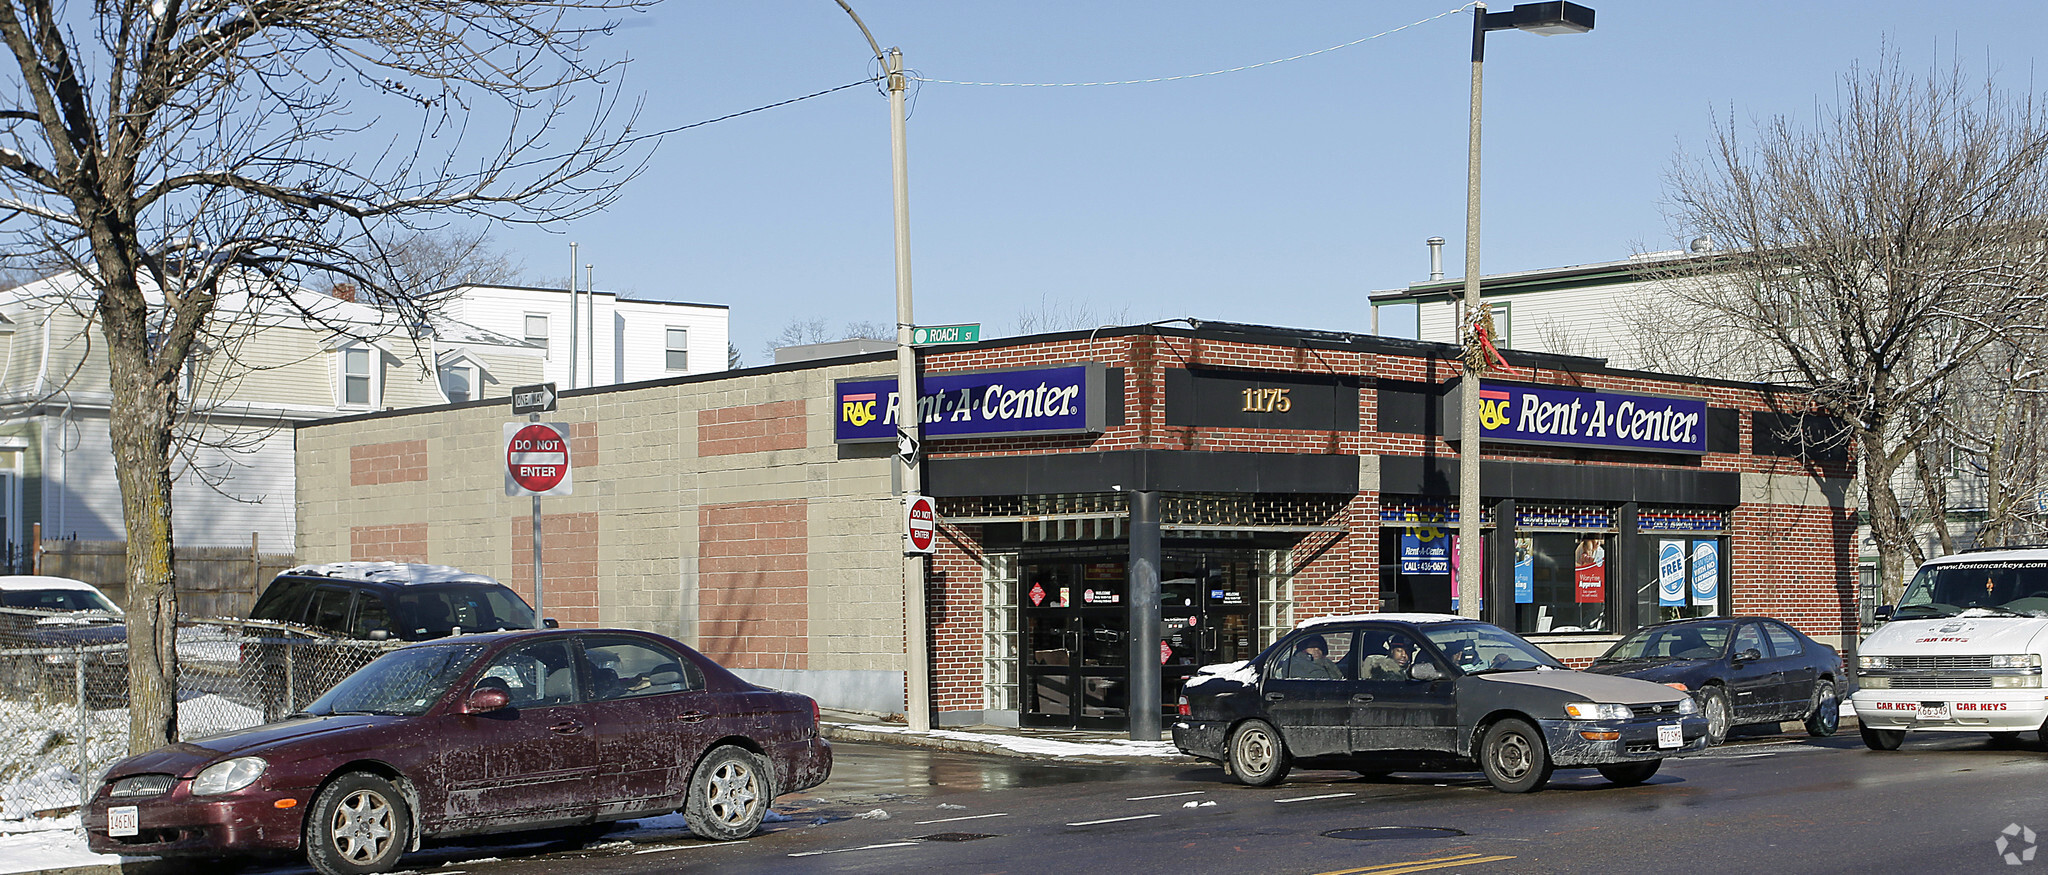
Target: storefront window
1562,582
1683,576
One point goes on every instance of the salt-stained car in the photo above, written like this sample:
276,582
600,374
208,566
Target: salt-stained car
1742,670
1379,693
474,734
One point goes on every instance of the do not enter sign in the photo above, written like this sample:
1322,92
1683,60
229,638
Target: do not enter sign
920,520
537,458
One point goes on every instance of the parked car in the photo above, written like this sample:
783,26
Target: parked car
1381,693
474,734
369,602
1742,670
74,619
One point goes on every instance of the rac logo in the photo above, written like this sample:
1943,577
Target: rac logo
857,409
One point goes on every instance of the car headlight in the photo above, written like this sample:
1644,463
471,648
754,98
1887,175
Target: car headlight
2015,681
1688,706
1869,662
227,776
2016,660
1874,683
1590,711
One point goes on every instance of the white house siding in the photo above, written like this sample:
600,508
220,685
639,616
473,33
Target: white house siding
629,334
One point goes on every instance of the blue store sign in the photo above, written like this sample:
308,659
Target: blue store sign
1573,417
1061,400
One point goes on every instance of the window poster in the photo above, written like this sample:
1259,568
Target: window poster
1706,573
1671,580
1525,570
1425,550
1589,571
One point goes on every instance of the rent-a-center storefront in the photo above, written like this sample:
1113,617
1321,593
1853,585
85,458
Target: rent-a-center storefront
1286,474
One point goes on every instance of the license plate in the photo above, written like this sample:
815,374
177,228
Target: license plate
1670,735
123,821
1934,710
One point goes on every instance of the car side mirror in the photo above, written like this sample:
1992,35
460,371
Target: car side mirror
1883,614
550,623
486,700
1750,655
1425,671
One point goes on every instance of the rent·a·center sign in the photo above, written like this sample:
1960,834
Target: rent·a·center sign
537,458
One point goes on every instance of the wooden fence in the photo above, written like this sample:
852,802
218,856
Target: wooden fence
212,581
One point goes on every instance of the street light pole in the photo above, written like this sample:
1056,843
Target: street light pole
909,424
1545,19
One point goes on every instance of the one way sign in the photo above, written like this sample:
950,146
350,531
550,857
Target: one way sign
533,399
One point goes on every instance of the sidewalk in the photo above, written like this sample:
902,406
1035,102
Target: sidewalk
1064,745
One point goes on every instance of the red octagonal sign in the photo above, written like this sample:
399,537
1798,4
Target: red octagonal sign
536,459
921,520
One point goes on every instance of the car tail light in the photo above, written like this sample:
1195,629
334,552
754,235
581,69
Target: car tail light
815,720
1182,709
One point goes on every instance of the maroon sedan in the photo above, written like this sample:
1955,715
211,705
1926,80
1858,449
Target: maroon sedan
476,734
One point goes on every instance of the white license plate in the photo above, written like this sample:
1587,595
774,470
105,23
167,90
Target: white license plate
1671,735
123,821
1934,710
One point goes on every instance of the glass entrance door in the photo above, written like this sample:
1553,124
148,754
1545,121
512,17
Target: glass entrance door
1208,615
1076,625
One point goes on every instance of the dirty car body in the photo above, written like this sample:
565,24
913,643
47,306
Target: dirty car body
1741,670
1427,692
474,734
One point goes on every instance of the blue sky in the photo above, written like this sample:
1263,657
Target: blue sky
1280,195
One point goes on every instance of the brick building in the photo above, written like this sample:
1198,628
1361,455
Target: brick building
1290,474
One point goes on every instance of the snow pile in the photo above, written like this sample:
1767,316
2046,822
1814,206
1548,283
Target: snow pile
54,843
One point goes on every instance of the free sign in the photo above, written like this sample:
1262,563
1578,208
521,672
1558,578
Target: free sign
537,458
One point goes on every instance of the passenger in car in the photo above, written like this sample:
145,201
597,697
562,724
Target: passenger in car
1311,662
1392,665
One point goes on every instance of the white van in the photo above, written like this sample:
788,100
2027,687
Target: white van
1961,652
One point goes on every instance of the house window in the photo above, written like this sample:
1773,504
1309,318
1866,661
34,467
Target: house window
355,376
537,330
678,349
456,383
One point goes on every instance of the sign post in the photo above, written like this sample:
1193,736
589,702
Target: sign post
536,464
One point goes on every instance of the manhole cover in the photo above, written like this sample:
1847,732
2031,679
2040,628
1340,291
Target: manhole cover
954,837
1377,833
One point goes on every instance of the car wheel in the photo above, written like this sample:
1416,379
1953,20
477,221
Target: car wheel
1883,739
359,825
1258,757
1630,774
1720,717
728,795
1826,715
1513,757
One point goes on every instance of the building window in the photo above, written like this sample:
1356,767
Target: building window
999,631
356,376
678,349
456,383
1569,577
537,330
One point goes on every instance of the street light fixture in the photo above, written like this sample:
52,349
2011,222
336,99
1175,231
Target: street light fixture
909,424
1546,19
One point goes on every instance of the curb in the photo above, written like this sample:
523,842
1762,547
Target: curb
846,732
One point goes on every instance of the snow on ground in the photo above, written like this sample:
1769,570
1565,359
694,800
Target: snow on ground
56,843
1036,746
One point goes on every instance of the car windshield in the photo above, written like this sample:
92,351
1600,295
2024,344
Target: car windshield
431,611
57,600
1665,643
403,682
2014,587
1477,647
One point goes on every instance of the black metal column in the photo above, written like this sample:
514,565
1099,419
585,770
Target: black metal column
1500,567
1143,696
1627,578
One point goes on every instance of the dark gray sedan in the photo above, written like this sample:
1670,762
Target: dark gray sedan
1380,693
1742,670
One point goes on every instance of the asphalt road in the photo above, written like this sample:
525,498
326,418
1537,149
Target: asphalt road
1787,803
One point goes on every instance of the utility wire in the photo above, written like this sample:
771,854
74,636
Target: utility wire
1199,75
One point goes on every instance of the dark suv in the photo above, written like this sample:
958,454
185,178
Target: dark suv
332,619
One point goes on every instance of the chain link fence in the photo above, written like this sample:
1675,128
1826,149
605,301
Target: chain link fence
64,696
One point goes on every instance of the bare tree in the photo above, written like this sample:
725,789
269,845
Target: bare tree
1054,316
806,331
417,263
1874,255
166,149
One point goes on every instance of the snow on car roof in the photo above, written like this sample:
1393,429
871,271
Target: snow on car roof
406,573
43,581
1398,618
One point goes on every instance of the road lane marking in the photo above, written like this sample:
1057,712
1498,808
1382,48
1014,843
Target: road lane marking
1418,865
861,848
967,817
1314,798
1164,796
1113,820
676,848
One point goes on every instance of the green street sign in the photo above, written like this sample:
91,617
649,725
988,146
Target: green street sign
931,334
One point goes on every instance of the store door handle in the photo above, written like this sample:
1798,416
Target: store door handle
1275,697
